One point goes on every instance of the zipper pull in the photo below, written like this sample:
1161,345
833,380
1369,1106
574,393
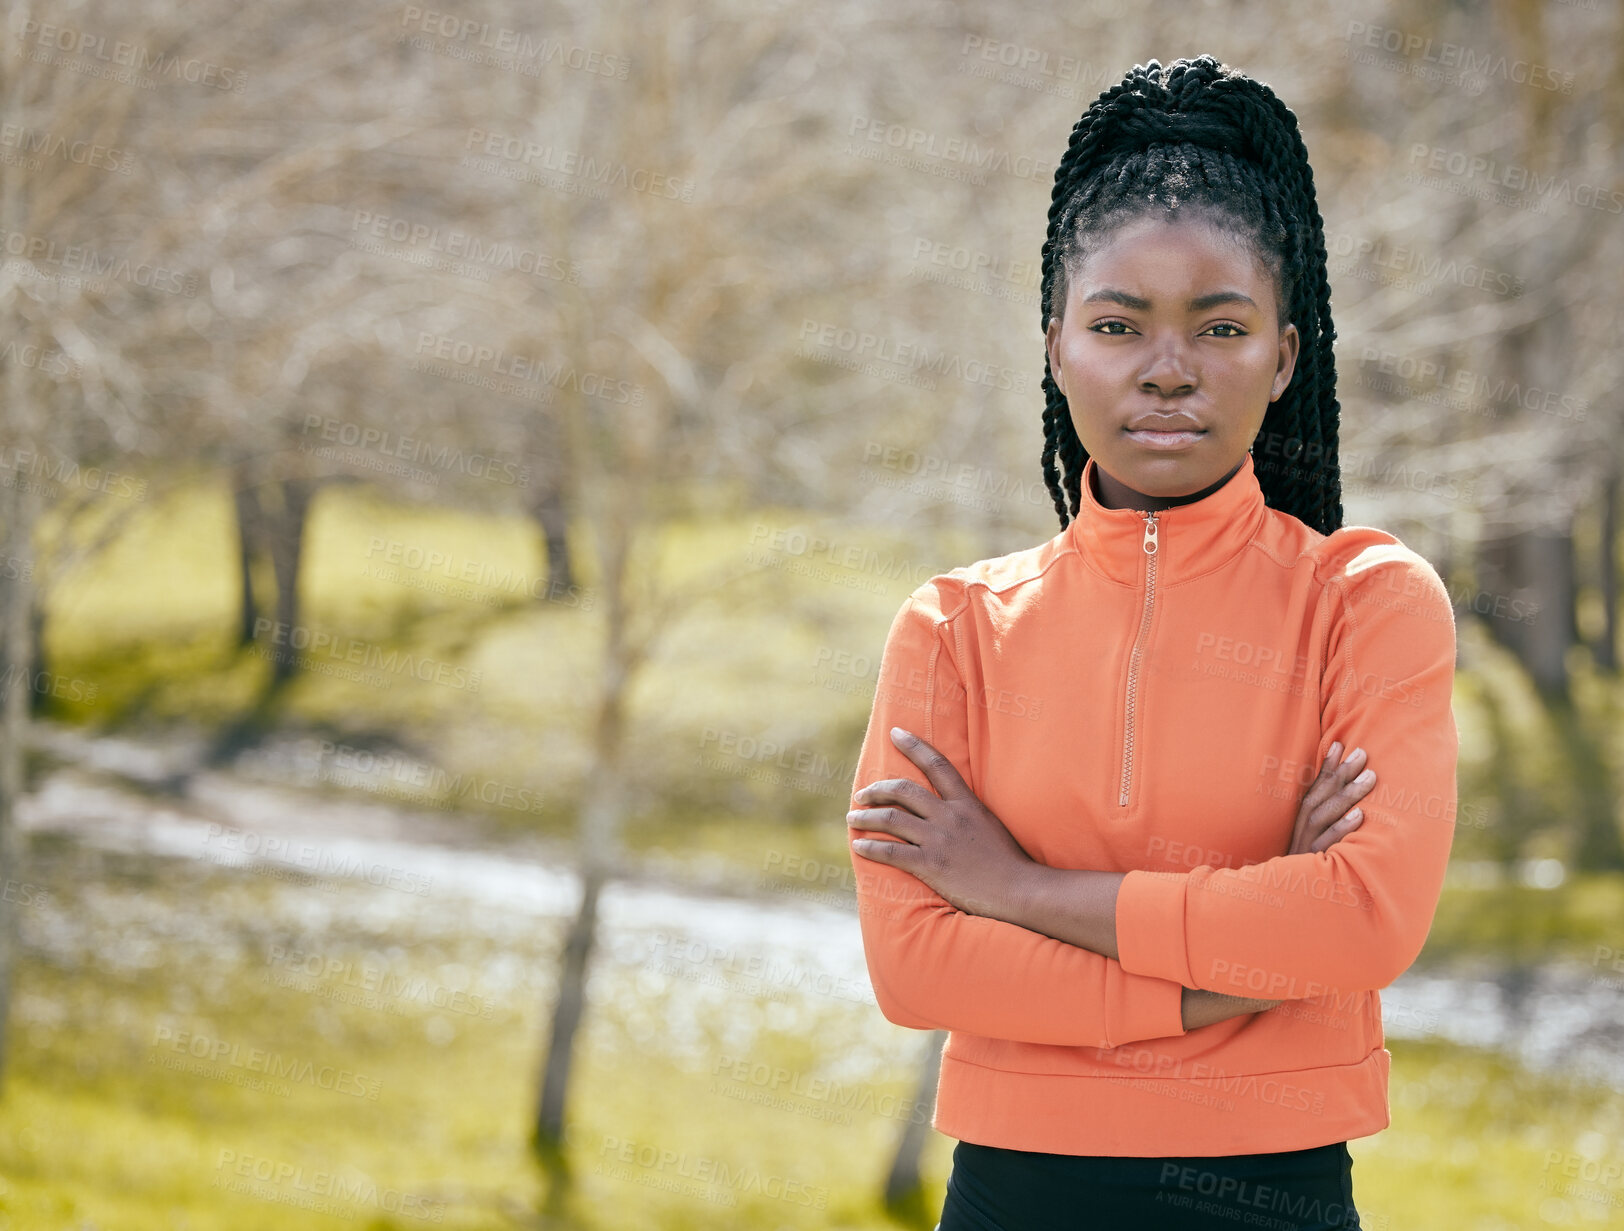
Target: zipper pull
1150,534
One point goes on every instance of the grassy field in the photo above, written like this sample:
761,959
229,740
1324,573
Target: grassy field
190,1052
112,1119
138,1098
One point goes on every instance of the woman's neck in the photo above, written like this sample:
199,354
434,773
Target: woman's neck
1117,495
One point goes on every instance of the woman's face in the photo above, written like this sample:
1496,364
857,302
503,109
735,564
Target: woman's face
1169,352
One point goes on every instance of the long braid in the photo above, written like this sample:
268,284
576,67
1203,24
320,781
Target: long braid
1201,135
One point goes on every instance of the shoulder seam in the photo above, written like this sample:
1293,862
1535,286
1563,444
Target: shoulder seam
1065,549
966,584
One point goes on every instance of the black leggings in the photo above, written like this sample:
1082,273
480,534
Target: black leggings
993,1189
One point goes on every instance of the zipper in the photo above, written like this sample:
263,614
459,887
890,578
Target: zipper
1131,700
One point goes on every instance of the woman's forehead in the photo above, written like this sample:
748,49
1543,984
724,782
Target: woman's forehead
1167,251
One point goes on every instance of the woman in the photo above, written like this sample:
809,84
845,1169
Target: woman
1082,842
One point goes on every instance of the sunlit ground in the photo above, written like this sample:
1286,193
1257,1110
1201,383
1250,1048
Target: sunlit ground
177,1064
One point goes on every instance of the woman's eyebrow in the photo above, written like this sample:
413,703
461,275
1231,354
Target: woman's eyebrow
1200,303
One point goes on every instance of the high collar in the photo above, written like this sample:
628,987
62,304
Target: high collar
1191,538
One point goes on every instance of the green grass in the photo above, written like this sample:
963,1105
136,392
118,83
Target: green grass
135,962
130,952
156,647
1478,1142
1577,922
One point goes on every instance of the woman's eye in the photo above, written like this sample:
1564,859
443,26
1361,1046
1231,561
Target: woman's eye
1112,327
1238,331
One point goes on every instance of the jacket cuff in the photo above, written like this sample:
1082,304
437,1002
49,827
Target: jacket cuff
1153,1010
1150,925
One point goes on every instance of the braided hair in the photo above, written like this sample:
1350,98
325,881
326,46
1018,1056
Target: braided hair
1201,135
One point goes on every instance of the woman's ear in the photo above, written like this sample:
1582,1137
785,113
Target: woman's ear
1051,343
1285,361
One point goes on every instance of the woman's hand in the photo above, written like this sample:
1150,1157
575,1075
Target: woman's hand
1326,814
950,840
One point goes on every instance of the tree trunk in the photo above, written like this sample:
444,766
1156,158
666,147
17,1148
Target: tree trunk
246,501
39,684
1597,846
16,657
600,822
602,814
1514,817
1548,565
285,531
551,495
903,1189
1607,574
553,518
1535,565
568,1010
279,513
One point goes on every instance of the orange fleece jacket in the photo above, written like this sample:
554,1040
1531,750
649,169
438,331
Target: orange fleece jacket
1161,713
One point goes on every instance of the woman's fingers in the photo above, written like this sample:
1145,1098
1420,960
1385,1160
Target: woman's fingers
1337,830
1327,811
1334,775
1349,788
897,821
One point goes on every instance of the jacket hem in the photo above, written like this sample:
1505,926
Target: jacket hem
1241,1113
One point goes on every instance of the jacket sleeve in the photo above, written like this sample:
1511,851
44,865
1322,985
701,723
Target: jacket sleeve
1352,917
934,967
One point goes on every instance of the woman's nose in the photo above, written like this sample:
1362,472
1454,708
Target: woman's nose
1170,370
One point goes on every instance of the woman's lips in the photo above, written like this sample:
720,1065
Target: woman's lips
1165,440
